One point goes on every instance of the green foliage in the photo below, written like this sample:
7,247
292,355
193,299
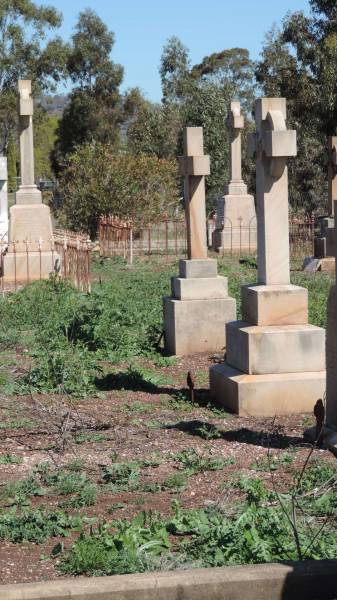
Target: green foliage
44,138
176,482
193,462
137,188
121,547
23,54
95,110
121,476
298,63
10,459
254,531
35,525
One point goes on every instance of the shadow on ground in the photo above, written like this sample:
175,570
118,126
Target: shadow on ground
243,435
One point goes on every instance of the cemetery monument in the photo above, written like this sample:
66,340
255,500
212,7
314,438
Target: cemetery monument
236,218
31,255
275,361
196,313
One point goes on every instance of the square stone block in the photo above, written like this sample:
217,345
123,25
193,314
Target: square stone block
266,395
278,144
195,165
275,349
24,268
28,195
195,267
274,305
199,288
30,223
193,326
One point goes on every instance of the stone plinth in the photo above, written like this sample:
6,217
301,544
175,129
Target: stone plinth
30,253
265,395
198,310
236,224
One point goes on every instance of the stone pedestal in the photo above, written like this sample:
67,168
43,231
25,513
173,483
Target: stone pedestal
236,224
196,313
275,362
30,254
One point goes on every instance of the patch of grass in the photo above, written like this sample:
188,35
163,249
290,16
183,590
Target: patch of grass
10,459
283,460
193,463
121,475
176,482
35,525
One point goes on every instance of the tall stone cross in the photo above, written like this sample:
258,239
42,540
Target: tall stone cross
272,144
235,124
332,175
28,192
194,165
3,200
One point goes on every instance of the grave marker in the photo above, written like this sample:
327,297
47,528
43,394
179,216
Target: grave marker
275,360
196,313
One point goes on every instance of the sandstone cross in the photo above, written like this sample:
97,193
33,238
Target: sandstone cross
332,174
235,124
28,192
3,200
272,143
194,165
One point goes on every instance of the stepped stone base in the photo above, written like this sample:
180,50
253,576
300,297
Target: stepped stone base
275,349
233,210
193,326
266,395
196,315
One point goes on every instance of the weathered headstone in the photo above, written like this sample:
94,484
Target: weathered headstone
324,243
31,255
196,313
275,362
3,202
236,218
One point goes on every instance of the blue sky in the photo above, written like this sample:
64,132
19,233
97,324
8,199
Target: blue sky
141,28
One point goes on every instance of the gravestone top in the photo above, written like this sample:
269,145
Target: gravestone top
194,165
272,144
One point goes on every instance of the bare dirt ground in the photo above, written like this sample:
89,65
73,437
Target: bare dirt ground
136,422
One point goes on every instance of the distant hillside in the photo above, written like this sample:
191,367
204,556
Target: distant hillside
55,105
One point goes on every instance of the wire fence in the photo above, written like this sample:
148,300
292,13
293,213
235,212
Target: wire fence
66,254
168,238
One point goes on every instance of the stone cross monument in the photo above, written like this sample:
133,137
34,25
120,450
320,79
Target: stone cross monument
3,201
31,247
236,219
28,192
325,243
196,313
235,124
275,361
194,166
